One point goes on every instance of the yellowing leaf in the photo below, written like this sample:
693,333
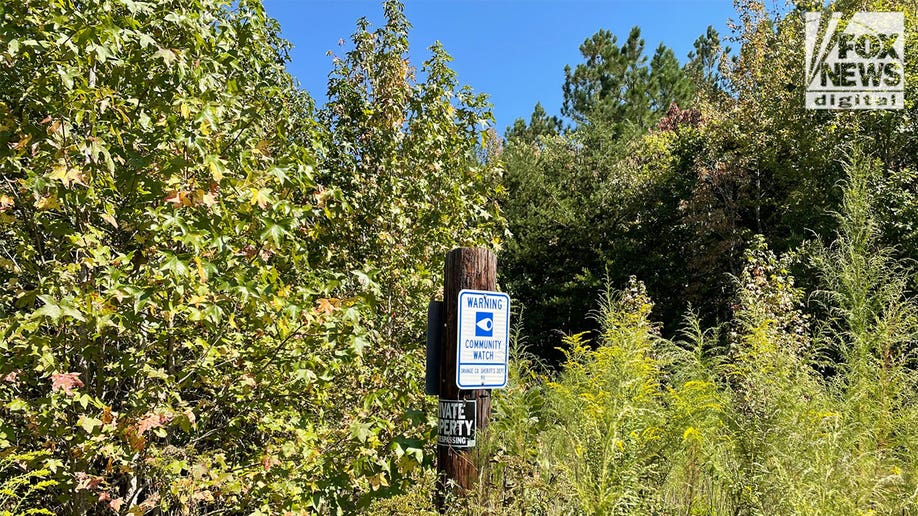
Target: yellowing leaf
67,175
201,273
196,300
59,172
263,146
111,220
196,198
260,197
48,203
89,423
76,176
209,199
215,171
6,202
378,480
22,143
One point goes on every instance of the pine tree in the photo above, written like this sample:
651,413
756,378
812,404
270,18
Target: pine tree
668,83
540,124
616,86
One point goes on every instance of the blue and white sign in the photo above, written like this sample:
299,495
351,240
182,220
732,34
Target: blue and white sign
484,339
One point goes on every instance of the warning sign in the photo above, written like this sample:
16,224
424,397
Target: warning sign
456,426
484,339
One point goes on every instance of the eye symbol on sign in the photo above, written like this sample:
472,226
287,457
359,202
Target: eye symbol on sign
484,324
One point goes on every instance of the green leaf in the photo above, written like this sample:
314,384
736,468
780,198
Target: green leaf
50,309
358,343
72,312
145,40
362,431
17,404
89,423
275,233
167,55
174,264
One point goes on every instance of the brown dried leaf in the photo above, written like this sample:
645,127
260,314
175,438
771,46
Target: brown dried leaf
326,306
66,382
152,421
173,197
86,481
6,202
269,461
47,203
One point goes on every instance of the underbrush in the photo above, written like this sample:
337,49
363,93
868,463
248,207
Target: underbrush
771,413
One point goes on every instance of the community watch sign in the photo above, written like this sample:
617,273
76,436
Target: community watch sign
483,347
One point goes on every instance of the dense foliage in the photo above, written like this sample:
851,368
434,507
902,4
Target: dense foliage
204,282
645,425
674,194
213,292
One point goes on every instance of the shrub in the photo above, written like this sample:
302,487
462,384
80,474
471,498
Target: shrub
189,320
639,424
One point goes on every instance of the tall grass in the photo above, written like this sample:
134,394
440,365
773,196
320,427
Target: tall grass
23,476
740,419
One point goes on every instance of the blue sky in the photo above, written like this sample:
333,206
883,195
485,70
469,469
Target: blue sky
513,50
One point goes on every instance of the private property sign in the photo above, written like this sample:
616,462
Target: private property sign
484,339
456,423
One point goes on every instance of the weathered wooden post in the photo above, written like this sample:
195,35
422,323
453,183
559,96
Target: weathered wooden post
472,361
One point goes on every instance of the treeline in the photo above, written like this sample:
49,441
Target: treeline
670,172
213,290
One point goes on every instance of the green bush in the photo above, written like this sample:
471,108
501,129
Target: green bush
196,313
643,425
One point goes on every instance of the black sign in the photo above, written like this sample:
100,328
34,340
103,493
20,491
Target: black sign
434,344
456,427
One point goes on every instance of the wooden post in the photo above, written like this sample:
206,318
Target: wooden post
466,268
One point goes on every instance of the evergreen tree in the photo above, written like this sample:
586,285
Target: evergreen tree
668,82
609,84
540,124
616,86
703,67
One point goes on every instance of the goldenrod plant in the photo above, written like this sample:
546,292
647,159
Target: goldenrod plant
736,419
